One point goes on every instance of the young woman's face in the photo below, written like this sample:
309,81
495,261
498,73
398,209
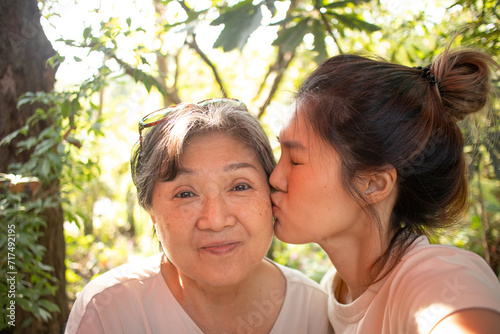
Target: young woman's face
214,219
309,203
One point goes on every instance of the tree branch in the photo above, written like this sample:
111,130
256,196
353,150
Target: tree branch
161,61
171,96
283,62
483,214
330,32
279,66
194,45
205,58
131,71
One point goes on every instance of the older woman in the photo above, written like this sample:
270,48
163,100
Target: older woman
201,171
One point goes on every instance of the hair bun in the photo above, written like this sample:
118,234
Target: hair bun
465,80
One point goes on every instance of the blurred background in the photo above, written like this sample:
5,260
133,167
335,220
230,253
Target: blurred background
77,75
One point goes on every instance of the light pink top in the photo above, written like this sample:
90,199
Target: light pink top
134,298
430,282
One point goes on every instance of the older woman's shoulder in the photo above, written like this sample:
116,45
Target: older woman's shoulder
107,300
135,272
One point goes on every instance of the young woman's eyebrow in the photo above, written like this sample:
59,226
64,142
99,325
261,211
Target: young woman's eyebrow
290,144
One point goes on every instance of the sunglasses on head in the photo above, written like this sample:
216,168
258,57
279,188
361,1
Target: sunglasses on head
160,115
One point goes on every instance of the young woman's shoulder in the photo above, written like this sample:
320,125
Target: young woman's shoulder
428,260
434,281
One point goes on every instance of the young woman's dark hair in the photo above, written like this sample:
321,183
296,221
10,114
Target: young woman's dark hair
380,115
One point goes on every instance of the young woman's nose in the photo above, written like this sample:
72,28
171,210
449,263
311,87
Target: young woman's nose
215,214
277,179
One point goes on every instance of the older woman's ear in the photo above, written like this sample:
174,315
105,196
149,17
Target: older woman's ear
153,220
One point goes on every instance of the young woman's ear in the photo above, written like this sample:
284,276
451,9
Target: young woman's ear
380,185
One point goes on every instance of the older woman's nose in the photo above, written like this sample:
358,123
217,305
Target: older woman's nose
215,214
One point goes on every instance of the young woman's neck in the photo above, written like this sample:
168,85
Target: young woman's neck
355,255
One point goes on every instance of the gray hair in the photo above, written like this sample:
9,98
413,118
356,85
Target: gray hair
158,157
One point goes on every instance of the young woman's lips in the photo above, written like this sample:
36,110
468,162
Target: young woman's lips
221,248
275,207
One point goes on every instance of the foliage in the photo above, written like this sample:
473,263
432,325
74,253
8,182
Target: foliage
478,25
24,215
310,258
171,58
156,66
53,159
21,220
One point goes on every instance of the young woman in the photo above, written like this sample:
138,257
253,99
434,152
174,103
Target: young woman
201,171
371,162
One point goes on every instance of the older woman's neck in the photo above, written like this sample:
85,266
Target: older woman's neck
221,307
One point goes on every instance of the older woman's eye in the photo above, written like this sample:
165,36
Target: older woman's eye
184,194
242,187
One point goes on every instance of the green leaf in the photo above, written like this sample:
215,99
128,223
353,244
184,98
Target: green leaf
353,22
24,304
98,45
239,22
7,139
286,20
138,75
343,4
26,322
77,59
270,5
48,305
147,83
476,222
129,21
45,267
86,32
44,146
319,41
29,97
65,108
290,39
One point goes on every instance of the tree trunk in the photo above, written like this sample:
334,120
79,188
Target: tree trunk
24,51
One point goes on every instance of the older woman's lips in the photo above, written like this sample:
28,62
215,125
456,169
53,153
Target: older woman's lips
221,248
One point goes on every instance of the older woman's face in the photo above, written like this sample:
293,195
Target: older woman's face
214,219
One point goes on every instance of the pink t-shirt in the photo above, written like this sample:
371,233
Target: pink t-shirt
134,298
429,283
